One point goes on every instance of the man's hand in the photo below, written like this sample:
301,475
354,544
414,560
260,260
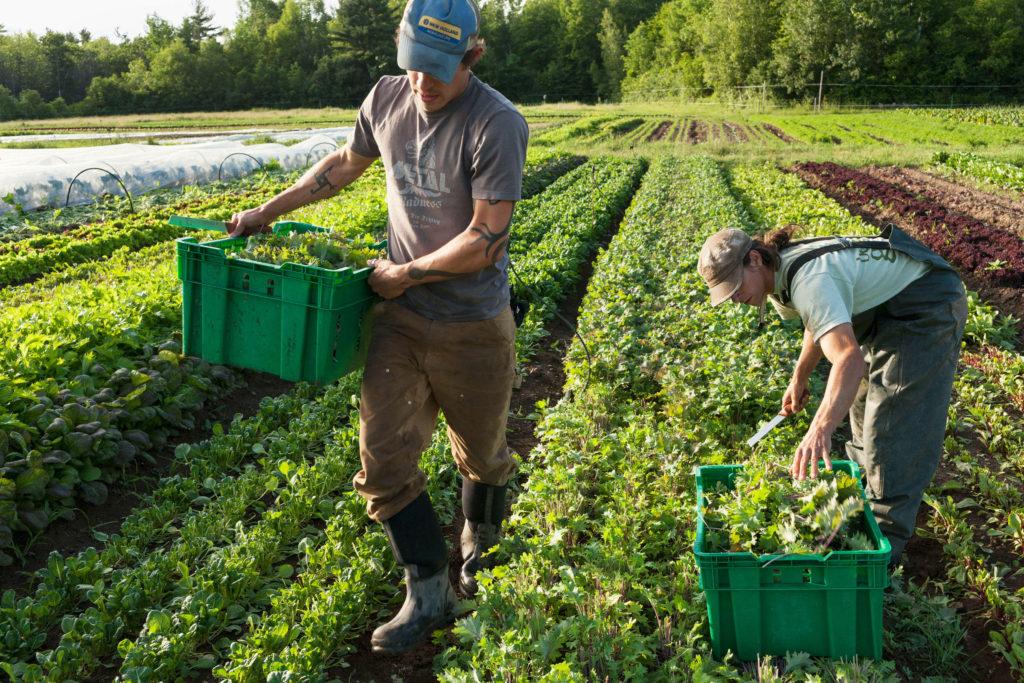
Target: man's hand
796,396
814,447
250,222
388,279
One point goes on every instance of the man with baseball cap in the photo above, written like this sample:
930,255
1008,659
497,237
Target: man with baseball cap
444,338
889,315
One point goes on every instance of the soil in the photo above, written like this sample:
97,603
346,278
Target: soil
679,131
996,210
969,244
544,378
736,133
696,132
69,537
660,132
777,132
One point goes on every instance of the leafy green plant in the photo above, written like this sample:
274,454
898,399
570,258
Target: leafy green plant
767,512
331,251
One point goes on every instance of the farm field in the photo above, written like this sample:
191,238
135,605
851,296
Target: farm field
163,518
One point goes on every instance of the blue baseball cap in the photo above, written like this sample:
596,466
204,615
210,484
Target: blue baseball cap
436,34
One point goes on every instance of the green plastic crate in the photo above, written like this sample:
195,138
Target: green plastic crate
299,322
826,605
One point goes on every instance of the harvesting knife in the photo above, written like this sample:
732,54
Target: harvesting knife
763,431
198,223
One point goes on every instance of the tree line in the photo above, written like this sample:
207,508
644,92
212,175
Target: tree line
297,53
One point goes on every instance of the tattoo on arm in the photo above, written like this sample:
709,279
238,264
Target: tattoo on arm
494,202
495,241
421,273
322,181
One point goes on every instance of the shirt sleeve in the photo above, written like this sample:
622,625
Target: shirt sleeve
823,301
498,158
363,141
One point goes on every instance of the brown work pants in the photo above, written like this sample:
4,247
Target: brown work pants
414,368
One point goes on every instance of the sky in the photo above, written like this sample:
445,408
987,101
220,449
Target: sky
104,17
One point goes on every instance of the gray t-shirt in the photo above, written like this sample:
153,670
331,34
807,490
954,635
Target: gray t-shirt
437,164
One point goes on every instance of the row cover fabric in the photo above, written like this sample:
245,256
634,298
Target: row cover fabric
39,178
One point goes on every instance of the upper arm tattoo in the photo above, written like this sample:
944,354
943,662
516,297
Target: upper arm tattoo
322,181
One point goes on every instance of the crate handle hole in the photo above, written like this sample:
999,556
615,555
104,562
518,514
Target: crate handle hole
270,288
245,282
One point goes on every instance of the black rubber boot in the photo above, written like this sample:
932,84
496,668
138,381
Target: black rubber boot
484,508
430,600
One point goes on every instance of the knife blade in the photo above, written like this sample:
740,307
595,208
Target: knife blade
198,223
767,427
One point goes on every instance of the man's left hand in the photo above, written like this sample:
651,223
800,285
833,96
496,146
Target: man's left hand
388,279
814,447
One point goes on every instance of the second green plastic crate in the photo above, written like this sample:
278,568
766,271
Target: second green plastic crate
299,322
826,605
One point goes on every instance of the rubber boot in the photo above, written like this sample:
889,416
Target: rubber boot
484,508
430,600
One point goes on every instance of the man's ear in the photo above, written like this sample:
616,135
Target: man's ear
755,258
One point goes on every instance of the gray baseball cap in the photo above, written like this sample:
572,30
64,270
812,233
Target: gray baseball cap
436,34
721,262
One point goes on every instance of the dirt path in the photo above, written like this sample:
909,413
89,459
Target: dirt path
70,537
990,260
777,132
660,132
1002,212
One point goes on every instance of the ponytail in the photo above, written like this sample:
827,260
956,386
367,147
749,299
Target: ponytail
770,244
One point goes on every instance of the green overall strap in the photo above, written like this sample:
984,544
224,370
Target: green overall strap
840,244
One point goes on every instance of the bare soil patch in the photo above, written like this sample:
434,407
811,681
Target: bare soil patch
696,132
660,132
778,132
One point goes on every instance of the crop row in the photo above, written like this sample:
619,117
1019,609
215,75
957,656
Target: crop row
332,596
1001,174
1003,116
571,132
600,582
990,255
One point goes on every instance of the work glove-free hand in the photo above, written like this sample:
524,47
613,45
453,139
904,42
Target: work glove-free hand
249,222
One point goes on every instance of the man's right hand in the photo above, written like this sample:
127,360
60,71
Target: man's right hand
250,222
796,397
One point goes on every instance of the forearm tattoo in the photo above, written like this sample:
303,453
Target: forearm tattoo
495,241
322,181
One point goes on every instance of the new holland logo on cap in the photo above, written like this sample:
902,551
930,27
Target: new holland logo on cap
440,29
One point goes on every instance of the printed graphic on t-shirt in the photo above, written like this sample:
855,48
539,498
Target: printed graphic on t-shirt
420,183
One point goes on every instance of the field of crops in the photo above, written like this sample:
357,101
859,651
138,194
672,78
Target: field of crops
163,518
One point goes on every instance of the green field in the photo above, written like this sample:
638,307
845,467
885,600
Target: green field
150,533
